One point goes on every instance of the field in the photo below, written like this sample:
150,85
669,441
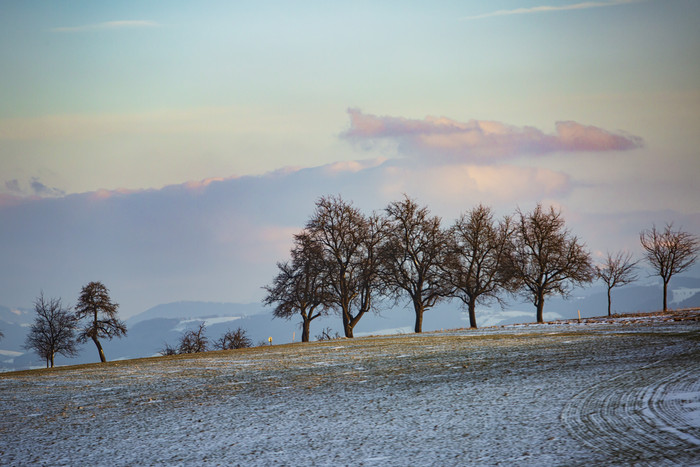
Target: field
625,391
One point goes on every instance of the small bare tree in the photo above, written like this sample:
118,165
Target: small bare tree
194,341
53,331
669,252
168,350
233,340
618,270
327,335
95,305
476,266
546,259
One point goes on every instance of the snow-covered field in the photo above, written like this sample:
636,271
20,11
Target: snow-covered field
559,394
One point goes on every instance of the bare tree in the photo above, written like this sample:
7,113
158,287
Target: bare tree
95,305
546,259
53,331
350,243
300,287
476,266
669,252
233,340
618,270
412,255
168,350
194,341
327,335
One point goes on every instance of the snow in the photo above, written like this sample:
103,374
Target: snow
682,293
186,324
548,394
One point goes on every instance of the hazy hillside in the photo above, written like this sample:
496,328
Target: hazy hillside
149,331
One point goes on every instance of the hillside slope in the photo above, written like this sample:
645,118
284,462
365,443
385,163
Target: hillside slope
585,394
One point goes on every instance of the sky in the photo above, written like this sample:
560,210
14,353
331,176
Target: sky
171,150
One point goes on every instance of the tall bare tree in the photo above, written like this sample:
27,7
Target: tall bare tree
411,256
618,270
300,286
53,330
669,252
100,315
477,264
546,259
350,243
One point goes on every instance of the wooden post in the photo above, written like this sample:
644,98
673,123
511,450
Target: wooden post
579,316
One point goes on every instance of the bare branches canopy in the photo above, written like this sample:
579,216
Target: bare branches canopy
546,259
477,259
412,253
669,252
300,285
194,340
100,315
53,331
348,262
618,270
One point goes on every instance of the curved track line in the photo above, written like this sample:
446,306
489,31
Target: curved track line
649,415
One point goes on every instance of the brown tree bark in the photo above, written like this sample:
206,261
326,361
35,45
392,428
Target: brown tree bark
99,349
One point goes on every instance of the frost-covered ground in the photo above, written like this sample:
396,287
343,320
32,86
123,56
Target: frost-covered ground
559,394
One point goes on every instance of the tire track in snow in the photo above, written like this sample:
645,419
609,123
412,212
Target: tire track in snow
645,415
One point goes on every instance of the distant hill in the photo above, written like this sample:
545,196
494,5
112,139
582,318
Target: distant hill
191,309
148,332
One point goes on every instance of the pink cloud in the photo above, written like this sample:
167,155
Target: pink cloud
479,140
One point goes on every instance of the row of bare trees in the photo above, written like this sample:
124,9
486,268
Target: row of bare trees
58,330
348,262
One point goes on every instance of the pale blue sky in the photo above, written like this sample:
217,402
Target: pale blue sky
204,89
139,95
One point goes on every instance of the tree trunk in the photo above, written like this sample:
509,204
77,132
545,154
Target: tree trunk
52,357
472,313
348,331
306,329
665,293
609,303
418,307
99,349
540,307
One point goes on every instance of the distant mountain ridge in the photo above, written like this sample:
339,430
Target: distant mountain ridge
151,330
193,309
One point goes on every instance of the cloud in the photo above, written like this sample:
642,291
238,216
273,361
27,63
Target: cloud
109,25
34,188
42,190
479,141
549,8
217,239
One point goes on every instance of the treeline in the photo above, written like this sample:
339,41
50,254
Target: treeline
347,262
58,329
